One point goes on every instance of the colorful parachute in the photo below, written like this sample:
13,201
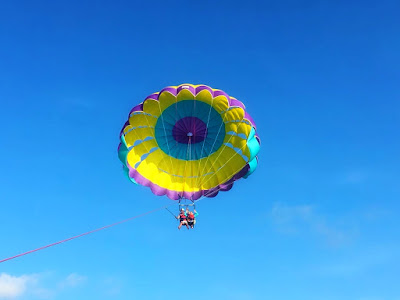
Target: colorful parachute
188,141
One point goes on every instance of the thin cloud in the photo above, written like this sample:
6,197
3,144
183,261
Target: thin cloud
73,280
362,263
13,287
296,219
355,177
352,177
36,286
285,214
113,286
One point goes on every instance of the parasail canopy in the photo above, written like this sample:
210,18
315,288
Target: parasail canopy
189,141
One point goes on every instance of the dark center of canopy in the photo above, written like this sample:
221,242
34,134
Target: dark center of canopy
189,130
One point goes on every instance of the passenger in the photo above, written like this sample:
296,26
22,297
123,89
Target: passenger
182,218
191,217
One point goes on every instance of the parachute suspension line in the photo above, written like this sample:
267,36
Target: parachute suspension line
204,141
186,162
207,194
208,157
185,204
190,160
236,171
216,159
174,171
190,134
187,159
170,212
194,131
187,175
87,233
165,133
137,137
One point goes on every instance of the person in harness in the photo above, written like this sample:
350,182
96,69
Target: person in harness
182,219
191,217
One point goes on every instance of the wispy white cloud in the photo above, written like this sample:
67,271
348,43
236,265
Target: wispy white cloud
36,286
361,262
72,280
226,290
293,219
284,214
355,177
113,286
13,287
42,293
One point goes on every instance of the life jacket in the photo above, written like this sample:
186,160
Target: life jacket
191,216
182,217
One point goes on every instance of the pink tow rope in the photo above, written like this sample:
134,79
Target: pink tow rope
83,234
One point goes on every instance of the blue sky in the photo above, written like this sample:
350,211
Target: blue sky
317,220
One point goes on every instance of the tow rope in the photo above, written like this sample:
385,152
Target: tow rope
86,233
